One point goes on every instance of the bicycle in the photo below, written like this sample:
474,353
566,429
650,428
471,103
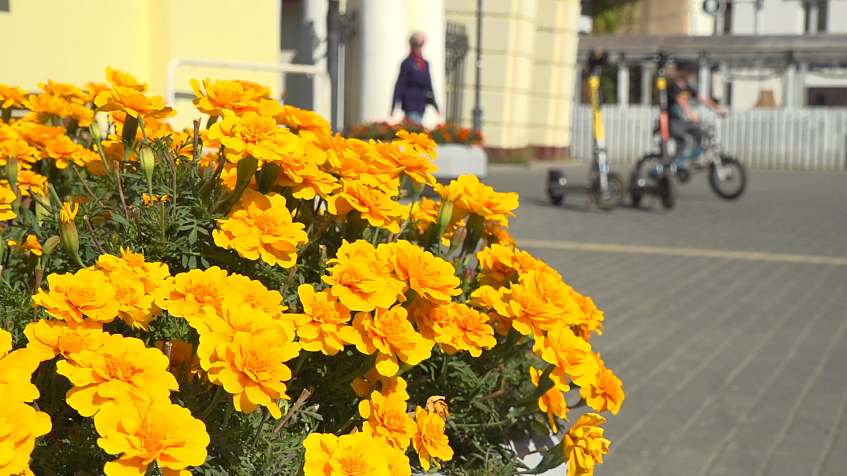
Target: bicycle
605,188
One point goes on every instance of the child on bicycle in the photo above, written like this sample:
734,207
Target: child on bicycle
682,120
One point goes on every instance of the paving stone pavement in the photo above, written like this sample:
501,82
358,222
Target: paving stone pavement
732,363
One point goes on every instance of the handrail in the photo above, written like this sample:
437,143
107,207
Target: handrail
321,93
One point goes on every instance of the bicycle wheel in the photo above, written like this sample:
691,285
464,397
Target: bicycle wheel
665,185
729,182
556,181
644,174
615,190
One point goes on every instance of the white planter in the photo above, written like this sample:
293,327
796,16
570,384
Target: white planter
454,160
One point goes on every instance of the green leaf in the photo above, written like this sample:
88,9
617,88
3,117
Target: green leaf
118,218
554,457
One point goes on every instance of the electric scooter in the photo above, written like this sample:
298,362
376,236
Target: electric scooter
653,174
606,189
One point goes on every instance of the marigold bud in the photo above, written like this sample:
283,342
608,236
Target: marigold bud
94,129
50,245
148,164
67,231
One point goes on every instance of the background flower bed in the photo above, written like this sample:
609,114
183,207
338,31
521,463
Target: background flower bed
448,133
271,307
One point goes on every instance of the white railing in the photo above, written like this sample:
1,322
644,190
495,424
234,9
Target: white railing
804,139
321,91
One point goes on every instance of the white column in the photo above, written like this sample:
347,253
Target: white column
704,77
383,44
429,17
800,96
623,84
312,44
646,84
788,87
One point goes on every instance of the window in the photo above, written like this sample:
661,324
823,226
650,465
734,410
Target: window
816,16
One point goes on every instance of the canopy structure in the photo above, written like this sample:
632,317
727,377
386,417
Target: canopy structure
733,50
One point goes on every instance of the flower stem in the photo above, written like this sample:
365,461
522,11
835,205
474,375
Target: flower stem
219,395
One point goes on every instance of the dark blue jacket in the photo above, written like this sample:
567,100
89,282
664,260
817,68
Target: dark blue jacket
414,87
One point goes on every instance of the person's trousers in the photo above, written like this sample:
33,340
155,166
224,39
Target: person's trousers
414,116
680,130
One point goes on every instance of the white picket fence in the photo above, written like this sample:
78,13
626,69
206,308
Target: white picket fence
803,139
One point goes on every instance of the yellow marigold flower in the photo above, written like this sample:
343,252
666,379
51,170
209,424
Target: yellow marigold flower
5,343
254,135
49,338
307,124
25,153
151,274
132,102
374,205
181,357
606,393
419,142
372,380
472,197
28,178
66,91
324,324
359,280
424,213
525,263
188,294
539,303
21,425
432,278
123,365
257,296
30,245
390,334
358,454
218,328
571,356
93,89
497,265
496,234
7,197
584,445
16,370
251,368
591,318
307,180
143,431
118,78
46,106
470,330
237,96
11,96
137,309
552,402
261,226
147,199
387,418
73,297
430,441
416,166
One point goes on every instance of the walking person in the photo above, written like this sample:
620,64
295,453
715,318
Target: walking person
413,89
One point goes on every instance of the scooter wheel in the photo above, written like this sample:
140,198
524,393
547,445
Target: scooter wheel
634,190
616,189
683,175
556,199
556,183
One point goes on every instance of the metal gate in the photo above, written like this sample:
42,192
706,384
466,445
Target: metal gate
456,44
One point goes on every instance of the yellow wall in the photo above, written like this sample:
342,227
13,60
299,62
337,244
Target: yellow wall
75,40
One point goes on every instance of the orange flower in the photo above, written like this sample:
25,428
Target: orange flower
430,441
136,307
73,297
118,78
552,402
16,369
21,424
188,294
374,205
372,380
11,96
307,124
472,197
143,431
323,326
261,226
151,274
497,264
49,338
606,393
358,454
432,278
66,91
132,102
123,365
584,445
419,142
390,334
237,96
27,179
253,135
416,166
31,245
7,197
254,294
386,418
251,368
181,358
571,356
590,319
359,280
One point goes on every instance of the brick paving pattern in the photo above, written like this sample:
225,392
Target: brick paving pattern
732,364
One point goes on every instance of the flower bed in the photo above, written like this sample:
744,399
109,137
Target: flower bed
269,307
448,133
